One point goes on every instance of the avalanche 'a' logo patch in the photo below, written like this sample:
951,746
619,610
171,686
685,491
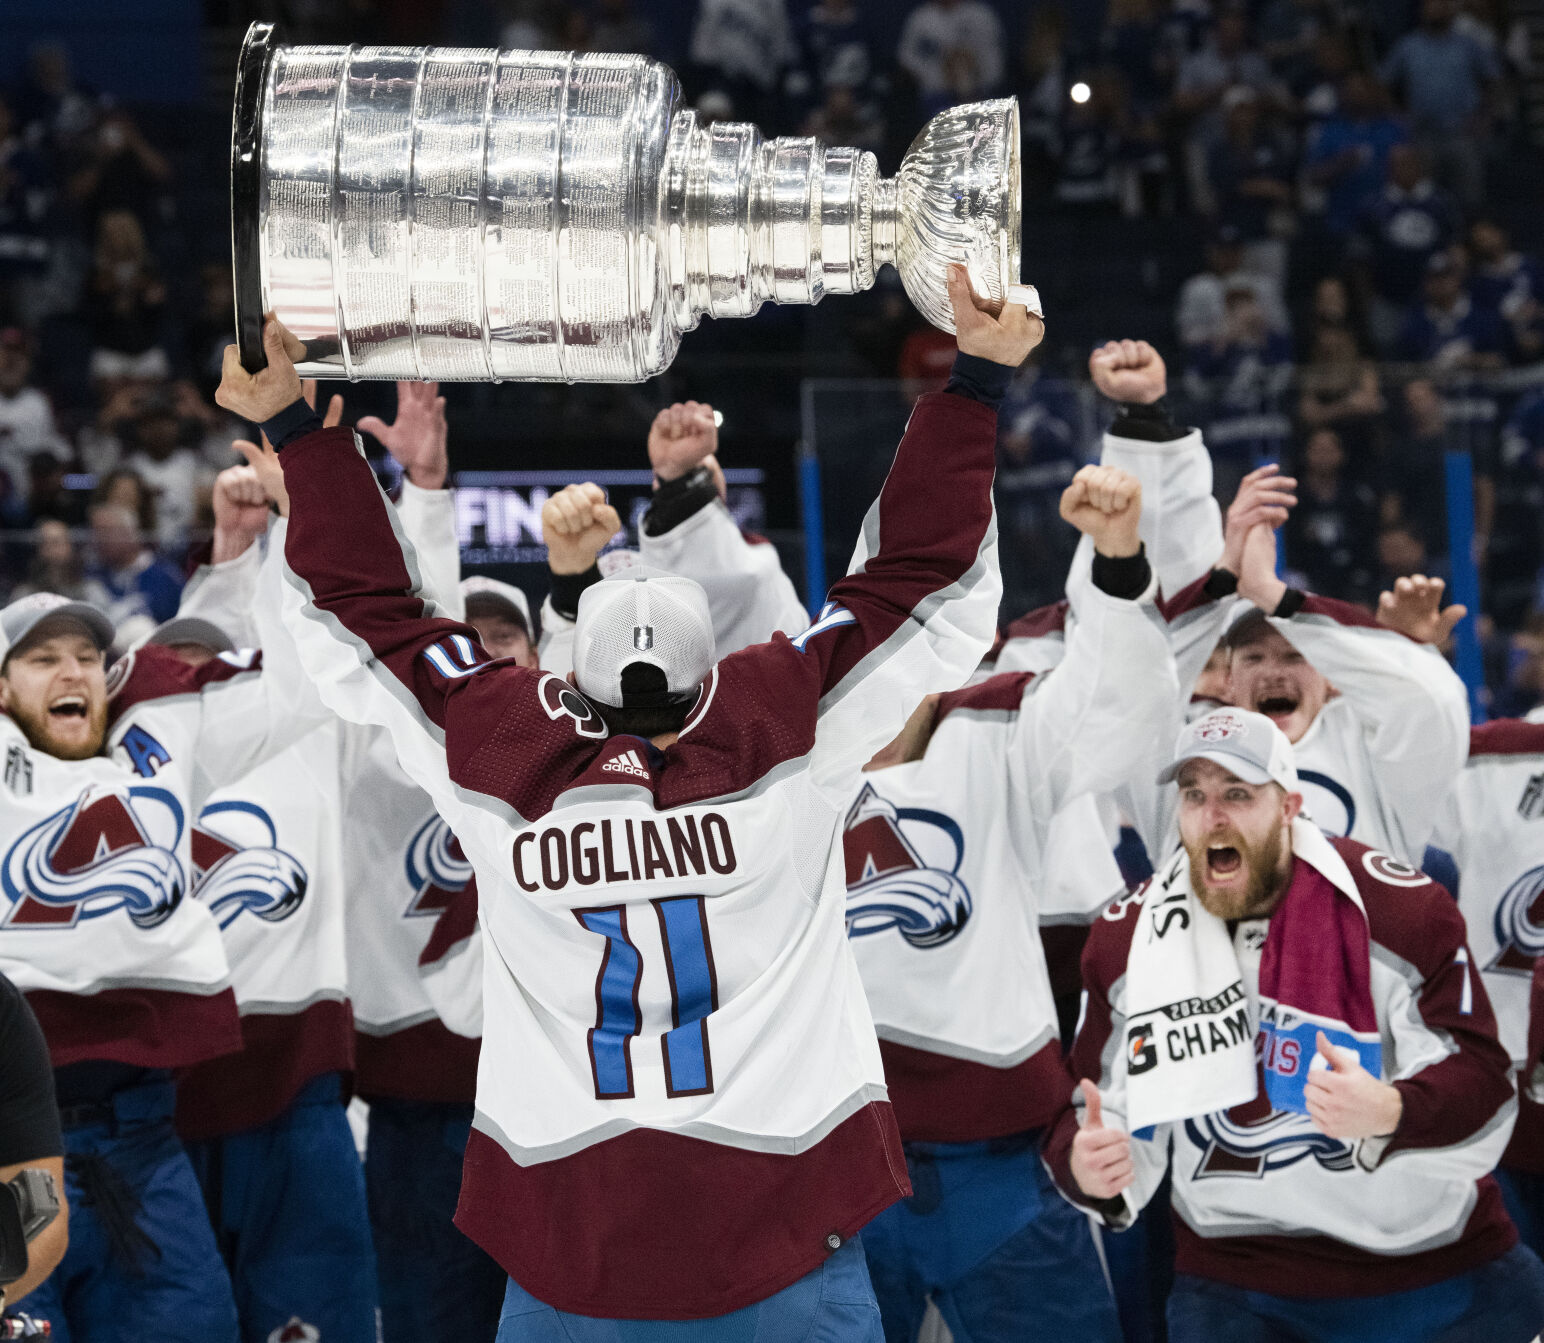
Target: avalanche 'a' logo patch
436,869
110,849
1519,924
238,865
1252,1147
890,884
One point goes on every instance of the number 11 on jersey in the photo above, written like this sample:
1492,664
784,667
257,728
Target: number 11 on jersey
683,927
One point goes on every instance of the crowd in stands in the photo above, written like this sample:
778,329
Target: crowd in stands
1369,299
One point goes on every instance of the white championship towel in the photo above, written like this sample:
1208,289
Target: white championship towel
1189,1039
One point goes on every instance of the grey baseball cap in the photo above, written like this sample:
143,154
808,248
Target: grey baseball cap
193,630
1245,744
22,619
642,617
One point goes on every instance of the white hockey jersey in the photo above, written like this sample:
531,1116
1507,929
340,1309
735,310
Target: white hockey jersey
1493,825
947,865
1262,1199
98,927
675,1036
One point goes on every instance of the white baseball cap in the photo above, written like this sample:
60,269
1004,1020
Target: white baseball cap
642,617
23,616
503,598
1245,744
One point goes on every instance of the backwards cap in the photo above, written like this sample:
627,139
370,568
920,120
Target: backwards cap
1247,745
642,618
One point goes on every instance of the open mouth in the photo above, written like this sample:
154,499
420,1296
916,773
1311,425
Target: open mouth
67,707
1223,861
1276,707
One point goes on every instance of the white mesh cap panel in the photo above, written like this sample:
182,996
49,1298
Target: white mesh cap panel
642,615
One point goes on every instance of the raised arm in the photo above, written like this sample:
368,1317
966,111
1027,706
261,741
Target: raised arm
378,647
1412,702
688,530
917,609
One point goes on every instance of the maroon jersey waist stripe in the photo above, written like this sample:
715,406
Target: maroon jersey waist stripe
1525,1152
1323,1267
280,1053
659,1226
147,1028
427,1062
942,1099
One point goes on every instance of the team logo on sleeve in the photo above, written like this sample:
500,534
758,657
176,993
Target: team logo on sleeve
110,849
239,867
561,700
436,869
891,884
1391,871
1530,806
1519,924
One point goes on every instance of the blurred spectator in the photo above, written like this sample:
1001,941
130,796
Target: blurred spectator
531,25
1402,552
125,578
1330,534
1444,76
55,565
26,419
1415,493
1446,328
1287,32
125,488
1510,283
836,44
1037,456
1225,61
121,172
49,104
1348,153
1094,170
1334,303
617,28
1239,381
1043,85
211,328
843,120
25,200
1319,87
1198,317
1249,179
1401,229
742,47
953,49
160,447
1131,43
1338,389
124,303
1514,549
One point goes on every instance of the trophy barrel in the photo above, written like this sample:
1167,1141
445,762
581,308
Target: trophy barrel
450,214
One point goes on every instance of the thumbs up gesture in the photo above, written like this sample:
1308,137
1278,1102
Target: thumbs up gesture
1101,1157
1345,1100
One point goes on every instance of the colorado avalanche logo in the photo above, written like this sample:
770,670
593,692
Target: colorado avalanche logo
1519,924
889,883
238,865
436,868
1252,1148
109,850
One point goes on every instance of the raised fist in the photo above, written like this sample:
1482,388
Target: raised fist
1105,503
1005,339
240,511
576,523
682,437
1129,370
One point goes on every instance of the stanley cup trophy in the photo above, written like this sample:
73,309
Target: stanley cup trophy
481,215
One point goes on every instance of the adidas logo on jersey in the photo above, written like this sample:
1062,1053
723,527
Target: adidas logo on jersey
626,764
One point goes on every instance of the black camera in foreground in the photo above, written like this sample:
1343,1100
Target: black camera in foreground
28,1203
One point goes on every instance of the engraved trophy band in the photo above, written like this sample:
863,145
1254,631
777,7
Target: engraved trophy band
481,215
